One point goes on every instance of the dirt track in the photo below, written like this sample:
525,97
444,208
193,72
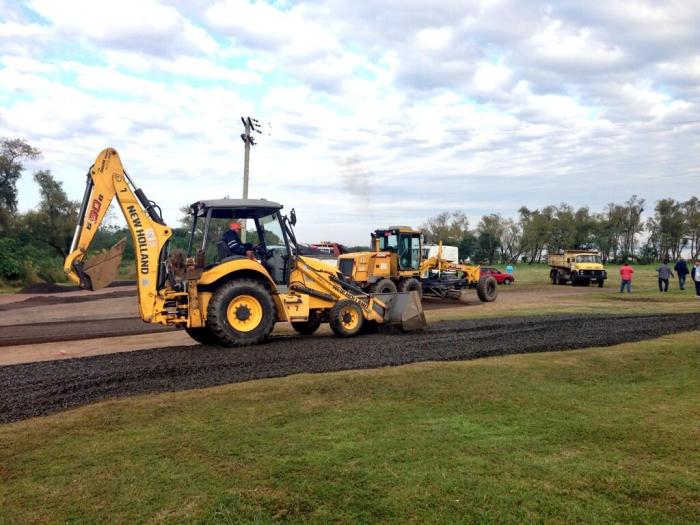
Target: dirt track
43,388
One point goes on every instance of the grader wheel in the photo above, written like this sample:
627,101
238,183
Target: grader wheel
408,285
241,312
383,286
487,289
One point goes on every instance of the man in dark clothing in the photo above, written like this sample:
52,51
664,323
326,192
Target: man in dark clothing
664,274
695,276
234,244
682,271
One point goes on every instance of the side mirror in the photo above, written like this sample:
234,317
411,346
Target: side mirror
293,217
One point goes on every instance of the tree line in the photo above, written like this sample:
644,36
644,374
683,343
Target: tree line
34,244
619,232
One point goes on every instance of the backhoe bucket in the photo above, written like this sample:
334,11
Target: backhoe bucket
403,310
103,267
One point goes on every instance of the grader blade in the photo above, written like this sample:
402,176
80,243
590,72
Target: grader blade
103,267
403,310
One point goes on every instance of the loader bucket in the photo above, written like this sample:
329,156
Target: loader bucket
403,310
103,267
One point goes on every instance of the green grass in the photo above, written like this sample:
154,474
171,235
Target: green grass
591,436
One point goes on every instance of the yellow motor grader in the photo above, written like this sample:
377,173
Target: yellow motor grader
217,297
396,262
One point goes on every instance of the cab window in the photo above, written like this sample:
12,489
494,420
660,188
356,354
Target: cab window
588,259
389,242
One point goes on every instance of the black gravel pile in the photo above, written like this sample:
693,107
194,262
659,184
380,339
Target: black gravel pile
43,388
59,288
48,300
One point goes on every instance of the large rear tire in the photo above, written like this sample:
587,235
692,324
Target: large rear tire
203,336
310,326
346,318
408,285
241,312
487,289
383,286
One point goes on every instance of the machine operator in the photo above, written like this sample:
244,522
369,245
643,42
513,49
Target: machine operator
234,244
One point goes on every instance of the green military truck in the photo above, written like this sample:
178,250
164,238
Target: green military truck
580,267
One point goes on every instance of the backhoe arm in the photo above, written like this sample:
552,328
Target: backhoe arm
105,180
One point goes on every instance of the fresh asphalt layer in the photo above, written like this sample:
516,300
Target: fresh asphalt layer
43,388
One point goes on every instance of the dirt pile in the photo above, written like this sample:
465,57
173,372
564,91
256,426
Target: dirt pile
47,288
48,300
43,388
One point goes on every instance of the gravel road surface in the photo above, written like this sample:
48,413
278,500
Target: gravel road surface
30,334
43,388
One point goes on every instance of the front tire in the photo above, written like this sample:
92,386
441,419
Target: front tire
601,282
346,318
487,289
241,312
383,286
409,285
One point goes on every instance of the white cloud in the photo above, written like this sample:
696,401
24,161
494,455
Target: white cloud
147,25
434,38
483,106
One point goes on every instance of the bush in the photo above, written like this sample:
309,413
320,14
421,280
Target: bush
12,267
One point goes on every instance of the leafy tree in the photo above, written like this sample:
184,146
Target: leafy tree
667,227
490,231
53,223
511,241
450,228
468,246
537,229
692,225
12,152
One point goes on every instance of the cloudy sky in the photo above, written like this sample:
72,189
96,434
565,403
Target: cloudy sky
373,112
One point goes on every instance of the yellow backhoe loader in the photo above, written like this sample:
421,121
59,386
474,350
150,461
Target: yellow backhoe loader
220,298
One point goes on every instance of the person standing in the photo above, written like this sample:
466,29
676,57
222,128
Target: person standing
681,271
626,277
695,276
509,269
665,274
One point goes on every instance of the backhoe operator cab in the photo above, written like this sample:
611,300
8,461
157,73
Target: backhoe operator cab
265,231
219,298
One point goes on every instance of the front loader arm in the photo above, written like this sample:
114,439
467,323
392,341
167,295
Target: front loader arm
107,179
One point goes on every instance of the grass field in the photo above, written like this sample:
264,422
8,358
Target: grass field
588,436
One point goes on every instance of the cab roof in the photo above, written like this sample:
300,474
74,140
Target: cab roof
235,208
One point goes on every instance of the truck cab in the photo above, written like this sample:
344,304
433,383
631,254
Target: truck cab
578,267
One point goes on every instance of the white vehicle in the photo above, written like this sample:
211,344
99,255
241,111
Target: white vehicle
449,253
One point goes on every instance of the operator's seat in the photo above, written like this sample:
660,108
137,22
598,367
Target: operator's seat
224,255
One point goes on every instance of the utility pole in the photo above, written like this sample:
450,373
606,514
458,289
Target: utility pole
250,124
